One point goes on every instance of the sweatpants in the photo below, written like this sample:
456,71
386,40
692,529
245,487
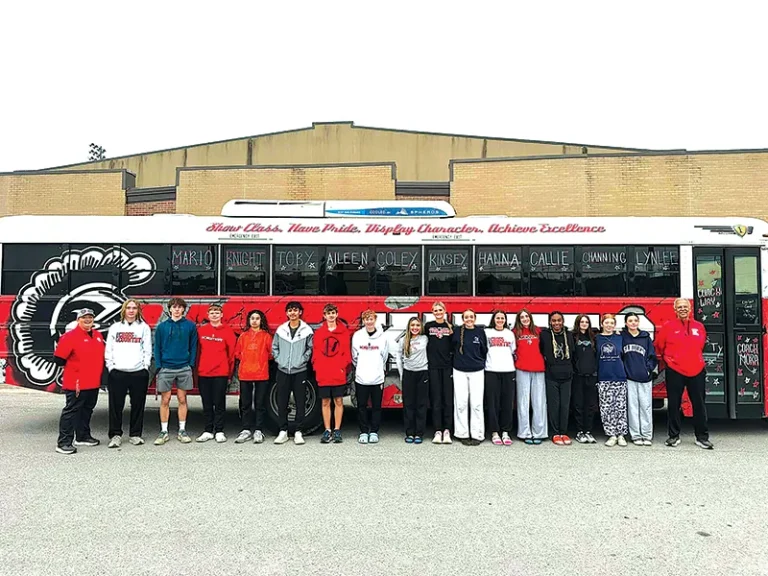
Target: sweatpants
75,421
531,394
287,383
441,398
639,410
613,407
676,383
253,403
468,418
415,393
500,401
558,405
373,394
213,393
584,394
119,384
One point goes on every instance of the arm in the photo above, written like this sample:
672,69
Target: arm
231,345
275,346
109,350
192,347
652,360
308,348
158,348
354,352
146,346
399,352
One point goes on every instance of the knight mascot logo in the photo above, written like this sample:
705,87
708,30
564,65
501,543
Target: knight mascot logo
87,278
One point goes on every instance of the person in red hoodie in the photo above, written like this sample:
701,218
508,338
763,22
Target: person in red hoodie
331,358
531,386
216,361
252,354
680,343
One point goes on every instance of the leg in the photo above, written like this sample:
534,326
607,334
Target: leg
206,387
448,411
283,398
363,395
219,403
461,404
422,394
409,401
326,408
645,402
137,388
377,393
299,389
68,419
476,393
165,407
565,405
524,380
633,409
606,408
590,402
338,412
579,402
117,386
436,398
83,425
621,408
507,401
696,389
181,397
493,400
539,404
553,405
675,385
246,404
260,394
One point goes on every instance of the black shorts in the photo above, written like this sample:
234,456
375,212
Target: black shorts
331,391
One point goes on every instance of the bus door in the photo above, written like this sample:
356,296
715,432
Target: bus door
728,302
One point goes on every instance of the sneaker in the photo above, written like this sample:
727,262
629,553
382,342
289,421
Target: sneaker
204,437
115,442
529,441
475,442
647,442
282,438
136,440
537,441
611,442
362,439
705,444
581,438
221,437
566,439
622,441
258,437
557,439
673,442
183,437
637,442
68,449
418,439
90,441
496,439
298,439
590,438
162,438
447,437
244,436
409,439
506,440
373,438
466,441
326,437
438,438
337,437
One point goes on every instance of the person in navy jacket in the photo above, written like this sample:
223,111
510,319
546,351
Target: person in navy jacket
611,382
640,363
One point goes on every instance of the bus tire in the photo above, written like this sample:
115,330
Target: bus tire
313,417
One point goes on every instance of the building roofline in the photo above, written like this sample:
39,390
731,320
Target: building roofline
128,181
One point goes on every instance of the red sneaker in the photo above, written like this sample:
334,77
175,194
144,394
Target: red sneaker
558,440
566,439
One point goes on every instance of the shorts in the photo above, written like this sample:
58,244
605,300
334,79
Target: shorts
331,391
166,377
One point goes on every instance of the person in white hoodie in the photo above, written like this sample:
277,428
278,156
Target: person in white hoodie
412,364
128,355
370,352
500,379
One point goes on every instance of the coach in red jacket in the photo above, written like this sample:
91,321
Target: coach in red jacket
81,352
680,343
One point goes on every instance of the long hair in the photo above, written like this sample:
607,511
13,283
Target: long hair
493,319
264,325
577,328
447,316
565,334
409,337
139,316
461,334
518,329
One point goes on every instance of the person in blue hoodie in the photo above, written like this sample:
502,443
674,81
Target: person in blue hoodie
640,362
611,382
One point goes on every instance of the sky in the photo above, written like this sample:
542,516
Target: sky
140,76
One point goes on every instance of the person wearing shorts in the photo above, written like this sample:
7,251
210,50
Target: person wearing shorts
175,354
331,358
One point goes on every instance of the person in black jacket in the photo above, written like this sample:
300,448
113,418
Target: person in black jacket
584,378
556,345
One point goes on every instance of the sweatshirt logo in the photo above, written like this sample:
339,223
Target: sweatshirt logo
634,348
497,341
127,338
331,347
439,332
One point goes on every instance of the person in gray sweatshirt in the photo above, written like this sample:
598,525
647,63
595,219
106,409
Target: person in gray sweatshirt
411,360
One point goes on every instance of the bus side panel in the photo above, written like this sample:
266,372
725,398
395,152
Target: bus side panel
765,355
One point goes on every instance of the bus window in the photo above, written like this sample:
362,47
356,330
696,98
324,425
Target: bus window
551,271
346,271
603,270
154,260
448,271
397,271
94,264
193,269
245,270
499,271
21,261
656,271
296,270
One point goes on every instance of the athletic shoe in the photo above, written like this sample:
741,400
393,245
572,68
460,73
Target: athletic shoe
590,438
162,438
418,439
566,439
337,437
537,441
282,438
362,439
205,436
466,441
447,437
647,442
529,441
557,439
183,437
221,437
438,439
611,442
244,436
373,438
258,437
68,449
506,440
622,441
475,442
496,439
637,442
581,438
673,442
90,441
706,444
115,442
409,439
326,437
298,439
136,440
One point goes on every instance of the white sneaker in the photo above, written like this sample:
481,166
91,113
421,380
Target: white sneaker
611,442
298,438
637,442
220,438
115,442
447,437
204,437
258,437
282,438
647,442
438,439
244,436
136,440
622,441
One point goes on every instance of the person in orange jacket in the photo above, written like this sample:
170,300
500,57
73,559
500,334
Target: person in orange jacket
331,358
252,355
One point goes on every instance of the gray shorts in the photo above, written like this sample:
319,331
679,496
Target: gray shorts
166,377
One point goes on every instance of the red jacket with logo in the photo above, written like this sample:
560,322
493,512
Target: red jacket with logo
331,355
84,354
215,350
528,356
681,343
254,349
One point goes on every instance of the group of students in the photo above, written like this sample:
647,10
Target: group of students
464,373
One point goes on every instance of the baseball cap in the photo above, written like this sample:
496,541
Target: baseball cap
84,312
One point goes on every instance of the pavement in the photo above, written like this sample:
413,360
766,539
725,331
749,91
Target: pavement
382,509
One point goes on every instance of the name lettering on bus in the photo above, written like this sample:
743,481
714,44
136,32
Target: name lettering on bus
507,258
245,258
350,257
439,259
192,257
397,258
553,258
301,259
656,258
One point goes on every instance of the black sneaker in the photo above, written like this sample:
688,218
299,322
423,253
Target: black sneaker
90,441
581,438
673,442
337,437
69,449
326,438
466,441
706,444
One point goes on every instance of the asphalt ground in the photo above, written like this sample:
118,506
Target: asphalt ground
387,509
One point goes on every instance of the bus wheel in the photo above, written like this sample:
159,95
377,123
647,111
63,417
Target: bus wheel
313,417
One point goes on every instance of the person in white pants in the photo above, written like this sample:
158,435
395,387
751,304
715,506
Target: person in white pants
531,385
470,348
640,363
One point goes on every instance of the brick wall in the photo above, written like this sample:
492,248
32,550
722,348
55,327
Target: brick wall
149,208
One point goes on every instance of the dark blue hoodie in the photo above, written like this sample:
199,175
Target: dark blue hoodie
175,344
470,349
639,356
610,368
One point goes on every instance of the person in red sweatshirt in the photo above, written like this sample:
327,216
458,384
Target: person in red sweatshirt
680,343
216,362
531,386
252,355
331,358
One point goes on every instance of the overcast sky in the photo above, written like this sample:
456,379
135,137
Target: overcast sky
140,76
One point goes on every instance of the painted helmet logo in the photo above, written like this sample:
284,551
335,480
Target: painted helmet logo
39,317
